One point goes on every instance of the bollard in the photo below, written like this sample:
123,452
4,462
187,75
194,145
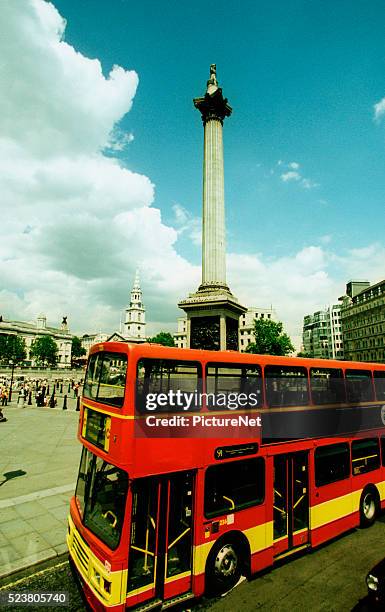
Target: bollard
69,387
78,403
48,390
52,400
61,388
30,398
65,403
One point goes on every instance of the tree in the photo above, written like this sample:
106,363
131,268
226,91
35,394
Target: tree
12,347
44,349
270,339
304,354
164,338
77,350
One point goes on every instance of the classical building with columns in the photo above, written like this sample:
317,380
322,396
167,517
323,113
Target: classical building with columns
31,331
212,312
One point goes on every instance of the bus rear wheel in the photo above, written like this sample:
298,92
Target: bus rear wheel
224,566
368,507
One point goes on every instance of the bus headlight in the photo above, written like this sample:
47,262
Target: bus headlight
372,582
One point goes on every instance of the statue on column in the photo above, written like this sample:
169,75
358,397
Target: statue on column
212,83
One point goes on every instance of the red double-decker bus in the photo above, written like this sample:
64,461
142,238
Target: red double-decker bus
199,467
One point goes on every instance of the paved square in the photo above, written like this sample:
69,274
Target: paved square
39,461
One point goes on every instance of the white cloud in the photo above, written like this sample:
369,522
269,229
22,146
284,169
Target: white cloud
379,109
293,175
308,183
185,223
290,176
303,282
76,223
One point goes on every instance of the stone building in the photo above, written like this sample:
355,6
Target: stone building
363,321
31,331
322,334
134,325
89,340
180,337
133,328
246,324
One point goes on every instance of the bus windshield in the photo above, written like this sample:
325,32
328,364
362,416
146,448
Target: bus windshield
101,493
106,378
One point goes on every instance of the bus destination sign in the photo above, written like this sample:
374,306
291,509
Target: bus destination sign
96,428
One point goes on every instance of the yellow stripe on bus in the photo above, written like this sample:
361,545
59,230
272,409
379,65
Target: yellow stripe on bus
339,507
259,538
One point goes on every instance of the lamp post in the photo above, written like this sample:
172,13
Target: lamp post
11,363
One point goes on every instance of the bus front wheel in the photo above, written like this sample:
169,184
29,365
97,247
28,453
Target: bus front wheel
368,506
224,566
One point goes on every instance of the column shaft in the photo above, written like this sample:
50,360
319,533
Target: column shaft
213,239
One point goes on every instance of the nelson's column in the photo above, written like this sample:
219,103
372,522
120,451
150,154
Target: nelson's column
213,312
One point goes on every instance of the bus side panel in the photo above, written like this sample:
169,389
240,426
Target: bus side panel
331,508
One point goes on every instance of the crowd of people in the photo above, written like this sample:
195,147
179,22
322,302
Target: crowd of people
43,392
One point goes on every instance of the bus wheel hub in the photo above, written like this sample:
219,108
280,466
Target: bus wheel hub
369,506
226,561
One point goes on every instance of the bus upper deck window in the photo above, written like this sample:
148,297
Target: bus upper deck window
286,386
359,386
105,380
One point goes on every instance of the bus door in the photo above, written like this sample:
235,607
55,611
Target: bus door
291,501
160,553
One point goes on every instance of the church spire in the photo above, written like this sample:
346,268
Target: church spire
135,320
136,281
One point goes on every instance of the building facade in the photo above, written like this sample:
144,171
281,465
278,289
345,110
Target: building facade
180,338
322,334
246,324
89,340
363,321
31,331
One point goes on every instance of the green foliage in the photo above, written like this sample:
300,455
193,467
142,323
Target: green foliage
12,347
45,349
270,339
304,354
77,350
164,338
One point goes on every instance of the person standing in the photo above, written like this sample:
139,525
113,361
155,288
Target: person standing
22,397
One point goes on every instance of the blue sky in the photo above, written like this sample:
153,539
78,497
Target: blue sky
302,78
104,165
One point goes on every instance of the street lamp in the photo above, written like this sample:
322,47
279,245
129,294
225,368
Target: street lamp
11,363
